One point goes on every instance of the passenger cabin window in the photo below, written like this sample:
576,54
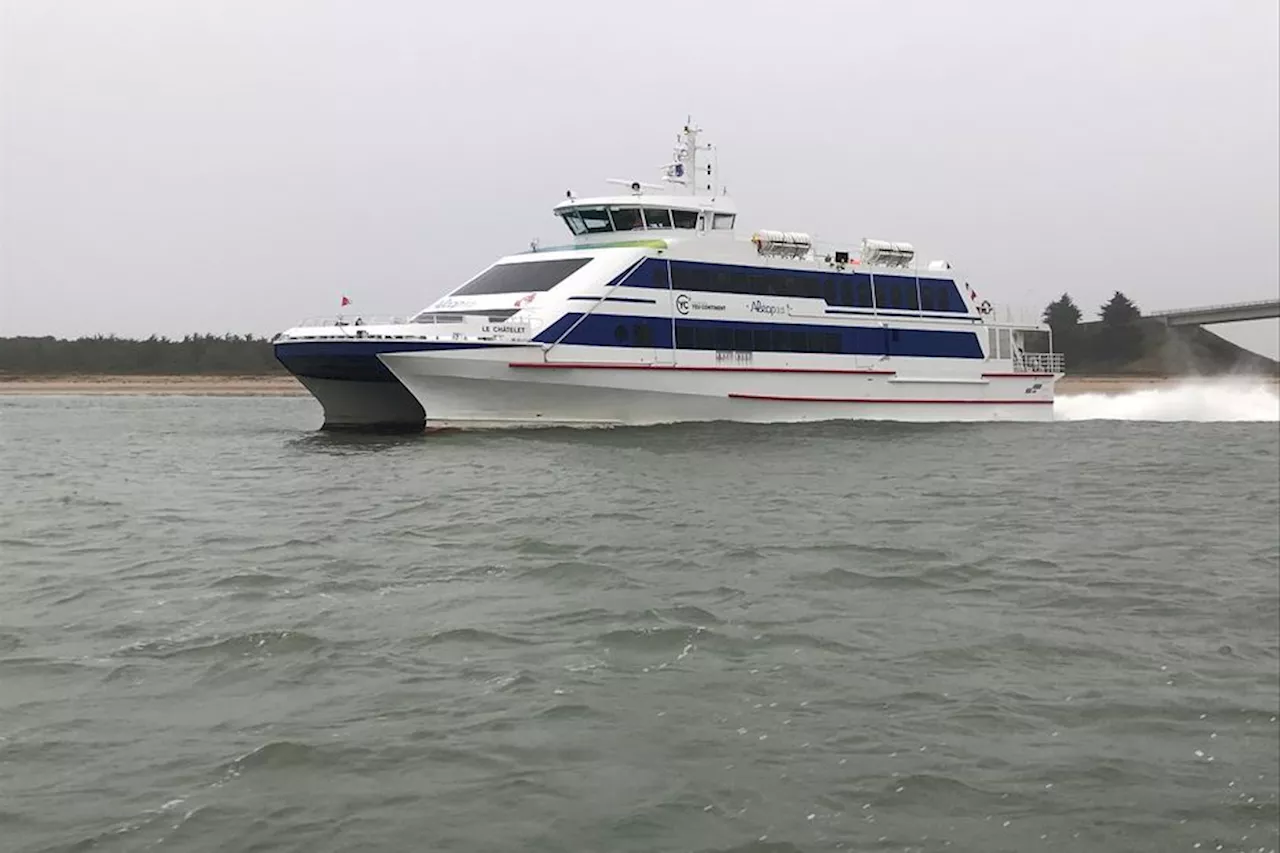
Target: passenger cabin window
521,277
723,222
627,219
838,290
655,217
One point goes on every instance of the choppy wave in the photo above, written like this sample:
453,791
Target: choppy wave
1204,401
723,638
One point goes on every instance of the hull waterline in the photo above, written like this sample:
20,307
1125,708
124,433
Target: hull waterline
374,407
354,389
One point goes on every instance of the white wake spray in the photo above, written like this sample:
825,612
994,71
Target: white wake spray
1193,400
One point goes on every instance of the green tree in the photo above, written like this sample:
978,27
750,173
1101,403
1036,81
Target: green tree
226,354
1120,337
1062,316
1119,311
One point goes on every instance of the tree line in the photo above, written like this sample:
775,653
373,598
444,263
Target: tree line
1115,339
1119,337
231,355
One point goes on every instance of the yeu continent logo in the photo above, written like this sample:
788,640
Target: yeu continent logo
765,308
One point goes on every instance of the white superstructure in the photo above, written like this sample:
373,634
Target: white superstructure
656,312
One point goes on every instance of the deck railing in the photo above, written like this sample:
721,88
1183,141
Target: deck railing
1039,362
350,320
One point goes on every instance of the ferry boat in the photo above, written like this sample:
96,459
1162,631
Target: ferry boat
654,311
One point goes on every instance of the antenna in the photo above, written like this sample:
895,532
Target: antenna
636,186
683,169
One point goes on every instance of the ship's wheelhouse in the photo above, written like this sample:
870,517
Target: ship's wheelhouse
588,218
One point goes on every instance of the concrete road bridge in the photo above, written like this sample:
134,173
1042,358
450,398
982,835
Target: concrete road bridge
1209,315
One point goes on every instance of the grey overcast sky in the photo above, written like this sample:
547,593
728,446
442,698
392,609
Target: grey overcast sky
175,166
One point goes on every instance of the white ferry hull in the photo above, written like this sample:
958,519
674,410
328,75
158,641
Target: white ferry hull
515,388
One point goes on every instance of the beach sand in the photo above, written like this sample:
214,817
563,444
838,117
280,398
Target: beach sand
287,386
194,386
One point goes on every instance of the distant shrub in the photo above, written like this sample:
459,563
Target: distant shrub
194,354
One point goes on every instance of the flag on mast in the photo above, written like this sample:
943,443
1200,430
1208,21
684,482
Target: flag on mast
345,301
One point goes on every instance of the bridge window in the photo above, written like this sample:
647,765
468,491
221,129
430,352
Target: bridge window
574,221
685,218
723,222
595,220
627,219
655,217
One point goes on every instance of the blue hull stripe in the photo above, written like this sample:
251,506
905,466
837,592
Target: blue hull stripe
613,330
355,360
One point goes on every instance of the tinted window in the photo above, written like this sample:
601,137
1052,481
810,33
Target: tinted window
911,295
862,291
689,277
896,291
574,221
928,300
659,272
521,278
942,290
685,218
595,219
846,292
643,336
627,219
757,338
884,296
657,218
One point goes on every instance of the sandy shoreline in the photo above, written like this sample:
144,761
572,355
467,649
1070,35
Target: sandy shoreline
287,386
197,386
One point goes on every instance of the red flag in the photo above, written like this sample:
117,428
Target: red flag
346,301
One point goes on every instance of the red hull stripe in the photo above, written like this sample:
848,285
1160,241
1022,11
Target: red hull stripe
778,399
587,365
1018,375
